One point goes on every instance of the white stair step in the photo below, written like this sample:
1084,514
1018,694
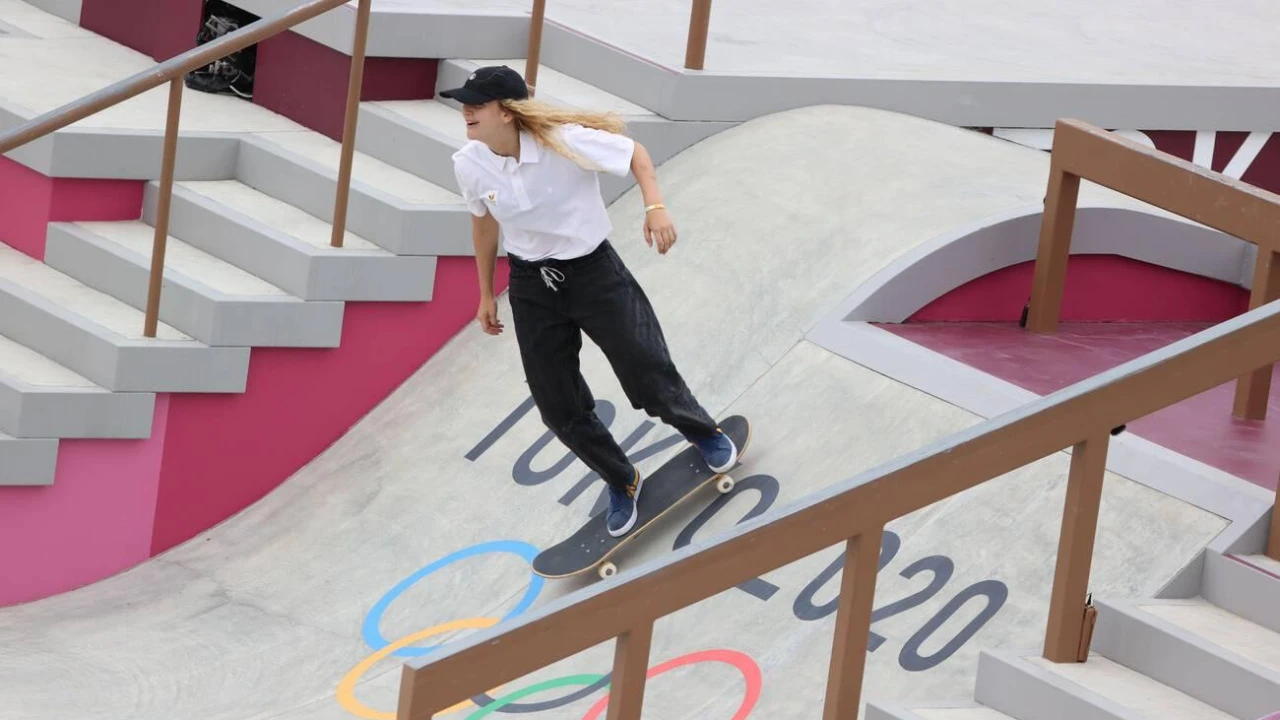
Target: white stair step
1243,586
1263,562
417,136
1203,651
209,298
440,117
1230,632
102,338
396,210
1024,685
40,398
1143,696
289,248
968,711
26,461
365,169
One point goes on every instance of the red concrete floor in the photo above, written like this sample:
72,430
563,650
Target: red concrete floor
1201,427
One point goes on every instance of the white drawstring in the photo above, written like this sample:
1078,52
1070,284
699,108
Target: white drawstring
549,274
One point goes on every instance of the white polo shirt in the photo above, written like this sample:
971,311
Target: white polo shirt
547,206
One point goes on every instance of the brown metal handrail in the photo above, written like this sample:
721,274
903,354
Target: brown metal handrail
1211,198
695,51
172,71
856,511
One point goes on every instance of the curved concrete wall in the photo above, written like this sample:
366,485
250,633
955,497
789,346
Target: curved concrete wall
949,261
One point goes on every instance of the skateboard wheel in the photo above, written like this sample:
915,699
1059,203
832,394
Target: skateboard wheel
608,570
725,485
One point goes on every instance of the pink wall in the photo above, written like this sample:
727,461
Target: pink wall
114,503
30,200
94,521
226,451
1099,288
307,81
158,29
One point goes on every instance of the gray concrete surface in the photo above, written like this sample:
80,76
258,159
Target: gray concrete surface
1138,232
36,411
268,614
27,461
1242,589
397,224
68,10
971,63
97,345
287,247
1197,658
1088,41
208,299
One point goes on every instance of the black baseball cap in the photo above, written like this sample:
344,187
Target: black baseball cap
495,82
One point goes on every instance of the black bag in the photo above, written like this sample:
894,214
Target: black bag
233,74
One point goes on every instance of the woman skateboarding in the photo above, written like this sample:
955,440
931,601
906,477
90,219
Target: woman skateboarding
529,170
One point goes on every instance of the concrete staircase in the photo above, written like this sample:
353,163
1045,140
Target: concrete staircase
248,264
1215,656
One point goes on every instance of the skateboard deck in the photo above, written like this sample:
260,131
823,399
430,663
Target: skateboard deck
679,479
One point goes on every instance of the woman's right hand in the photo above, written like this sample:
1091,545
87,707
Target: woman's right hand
488,316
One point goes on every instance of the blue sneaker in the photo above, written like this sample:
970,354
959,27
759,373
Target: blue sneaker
622,512
718,450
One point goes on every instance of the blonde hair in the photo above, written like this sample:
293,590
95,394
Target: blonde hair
542,119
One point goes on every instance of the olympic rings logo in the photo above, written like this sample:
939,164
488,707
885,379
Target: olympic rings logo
485,704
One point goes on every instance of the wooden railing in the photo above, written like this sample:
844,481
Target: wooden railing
695,51
855,511
173,71
1247,212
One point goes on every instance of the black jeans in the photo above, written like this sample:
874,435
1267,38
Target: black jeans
552,303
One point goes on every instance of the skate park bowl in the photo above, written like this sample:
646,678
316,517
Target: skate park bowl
389,578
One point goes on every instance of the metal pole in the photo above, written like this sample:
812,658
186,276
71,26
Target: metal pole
162,208
695,53
535,45
354,82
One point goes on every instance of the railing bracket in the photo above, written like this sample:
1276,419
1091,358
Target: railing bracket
1086,629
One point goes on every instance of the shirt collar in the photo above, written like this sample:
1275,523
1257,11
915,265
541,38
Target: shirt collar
529,153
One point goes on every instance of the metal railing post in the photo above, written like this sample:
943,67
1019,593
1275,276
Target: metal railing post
1056,225
853,626
1254,390
630,666
1075,549
695,52
158,245
534,53
354,82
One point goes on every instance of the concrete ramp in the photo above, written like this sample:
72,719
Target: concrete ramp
417,526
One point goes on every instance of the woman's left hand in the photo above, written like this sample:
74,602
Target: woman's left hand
658,227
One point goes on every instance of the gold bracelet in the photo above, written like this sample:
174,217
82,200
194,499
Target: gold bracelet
655,206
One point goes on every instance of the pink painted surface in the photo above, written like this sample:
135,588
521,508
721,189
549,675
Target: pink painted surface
159,30
1201,427
225,452
307,81
94,521
29,201
1099,288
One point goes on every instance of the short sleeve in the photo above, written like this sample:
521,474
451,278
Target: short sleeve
608,151
474,204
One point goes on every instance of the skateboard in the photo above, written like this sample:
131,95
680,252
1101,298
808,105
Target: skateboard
679,479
